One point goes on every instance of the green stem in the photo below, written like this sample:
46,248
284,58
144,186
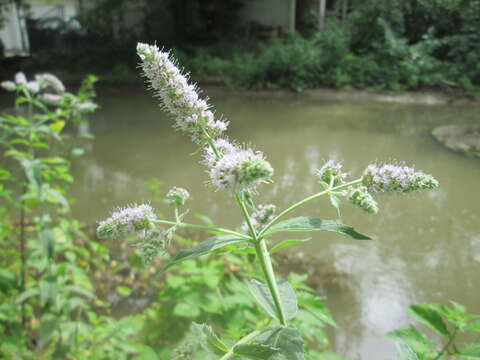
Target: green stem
265,263
202,227
447,345
230,354
303,202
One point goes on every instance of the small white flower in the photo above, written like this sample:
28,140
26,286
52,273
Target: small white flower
8,85
33,87
262,216
177,196
50,81
20,79
51,99
396,178
331,173
134,219
240,169
85,107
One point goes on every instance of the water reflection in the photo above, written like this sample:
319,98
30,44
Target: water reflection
426,248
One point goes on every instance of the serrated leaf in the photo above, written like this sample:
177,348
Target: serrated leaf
288,298
287,243
214,344
470,351
205,247
429,317
306,224
413,338
287,340
255,351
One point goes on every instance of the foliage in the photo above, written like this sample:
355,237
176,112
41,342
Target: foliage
47,297
448,323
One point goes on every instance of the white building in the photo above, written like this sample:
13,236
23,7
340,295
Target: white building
14,34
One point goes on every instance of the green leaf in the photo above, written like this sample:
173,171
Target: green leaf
286,243
427,315
27,294
77,152
49,323
205,247
209,339
406,353
470,351
287,340
306,223
414,339
186,310
48,290
123,291
255,351
288,298
57,126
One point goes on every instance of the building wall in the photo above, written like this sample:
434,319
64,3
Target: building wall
271,12
13,31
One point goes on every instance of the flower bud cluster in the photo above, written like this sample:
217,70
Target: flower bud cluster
395,178
49,81
177,196
262,216
42,82
360,197
136,219
331,173
238,169
192,114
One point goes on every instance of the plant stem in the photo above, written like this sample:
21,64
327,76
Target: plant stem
447,345
243,340
303,202
23,259
265,263
202,227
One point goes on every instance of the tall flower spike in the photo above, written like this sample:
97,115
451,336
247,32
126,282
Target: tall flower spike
134,219
239,170
179,98
395,178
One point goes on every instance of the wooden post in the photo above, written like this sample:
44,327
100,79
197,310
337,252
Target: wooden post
322,4
344,9
293,6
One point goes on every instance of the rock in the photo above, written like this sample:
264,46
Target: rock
461,138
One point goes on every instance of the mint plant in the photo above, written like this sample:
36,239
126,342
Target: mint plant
239,170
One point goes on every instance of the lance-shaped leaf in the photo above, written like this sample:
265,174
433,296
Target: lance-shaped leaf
256,351
205,247
469,351
287,340
288,298
429,316
286,243
306,224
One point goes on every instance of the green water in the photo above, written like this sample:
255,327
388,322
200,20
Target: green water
426,247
